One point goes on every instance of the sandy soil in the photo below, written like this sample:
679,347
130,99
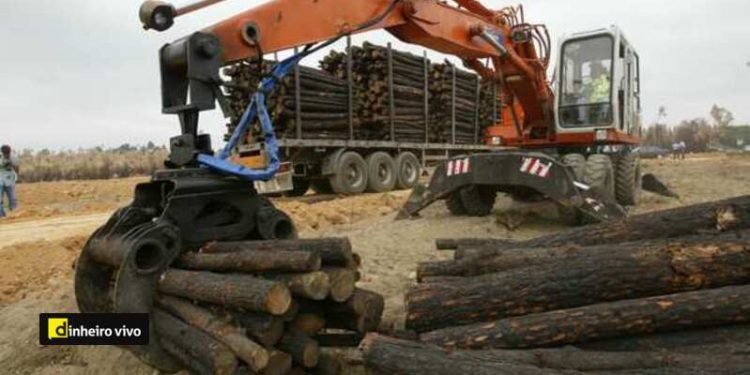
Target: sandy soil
36,273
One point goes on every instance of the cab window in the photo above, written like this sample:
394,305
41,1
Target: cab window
586,87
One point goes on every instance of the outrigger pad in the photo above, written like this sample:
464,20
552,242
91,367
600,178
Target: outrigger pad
507,171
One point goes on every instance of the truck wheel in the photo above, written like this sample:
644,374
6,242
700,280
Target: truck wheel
351,174
628,179
409,170
300,187
478,200
381,172
569,215
321,186
600,174
455,204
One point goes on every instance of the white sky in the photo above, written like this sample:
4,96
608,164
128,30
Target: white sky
80,73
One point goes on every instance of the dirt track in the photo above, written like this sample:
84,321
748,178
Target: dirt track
36,274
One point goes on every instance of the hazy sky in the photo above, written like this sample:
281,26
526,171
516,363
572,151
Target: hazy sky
83,73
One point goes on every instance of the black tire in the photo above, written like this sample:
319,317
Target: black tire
409,170
568,215
628,179
478,201
321,186
600,174
350,176
455,204
381,172
300,187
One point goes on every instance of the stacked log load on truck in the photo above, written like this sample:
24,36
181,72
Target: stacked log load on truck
369,119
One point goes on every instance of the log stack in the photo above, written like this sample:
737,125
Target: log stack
663,292
260,306
425,101
323,101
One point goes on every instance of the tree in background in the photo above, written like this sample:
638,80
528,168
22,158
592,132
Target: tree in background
696,133
722,120
659,134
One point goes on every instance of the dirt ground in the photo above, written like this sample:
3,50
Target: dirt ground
39,244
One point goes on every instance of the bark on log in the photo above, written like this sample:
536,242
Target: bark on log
593,275
301,347
329,364
233,337
701,218
333,251
732,339
252,261
528,257
239,291
314,285
195,349
279,363
387,355
706,308
343,282
265,328
455,243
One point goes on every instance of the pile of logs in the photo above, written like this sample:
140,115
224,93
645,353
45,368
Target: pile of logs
407,100
660,293
259,307
323,101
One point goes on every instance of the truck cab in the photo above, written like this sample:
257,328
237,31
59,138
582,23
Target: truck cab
598,85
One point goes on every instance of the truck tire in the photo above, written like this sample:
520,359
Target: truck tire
321,186
628,179
455,204
600,174
478,201
381,172
300,187
409,170
350,175
568,215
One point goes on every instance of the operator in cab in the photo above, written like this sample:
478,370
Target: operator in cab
598,87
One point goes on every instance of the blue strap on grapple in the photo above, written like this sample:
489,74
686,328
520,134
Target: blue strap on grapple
256,108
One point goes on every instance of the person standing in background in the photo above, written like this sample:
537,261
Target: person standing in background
9,169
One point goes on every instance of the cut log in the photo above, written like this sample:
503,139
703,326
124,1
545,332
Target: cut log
279,363
343,282
701,218
233,337
252,261
387,355
303,349
591,275
239,291
309,323
706,308
196,350
393,356
314,285
333,251
455,243
528,257
265,328
733,339
329,364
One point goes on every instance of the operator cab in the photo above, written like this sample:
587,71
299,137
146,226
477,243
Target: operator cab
598,84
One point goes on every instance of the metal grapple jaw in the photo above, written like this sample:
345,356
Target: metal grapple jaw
508,171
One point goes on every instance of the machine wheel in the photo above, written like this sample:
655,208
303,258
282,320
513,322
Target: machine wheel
381,172
478,200
600,174
628,179
409,170
455,204
300,187
568,215
321,186
351,174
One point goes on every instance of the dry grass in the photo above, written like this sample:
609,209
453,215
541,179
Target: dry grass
90,164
